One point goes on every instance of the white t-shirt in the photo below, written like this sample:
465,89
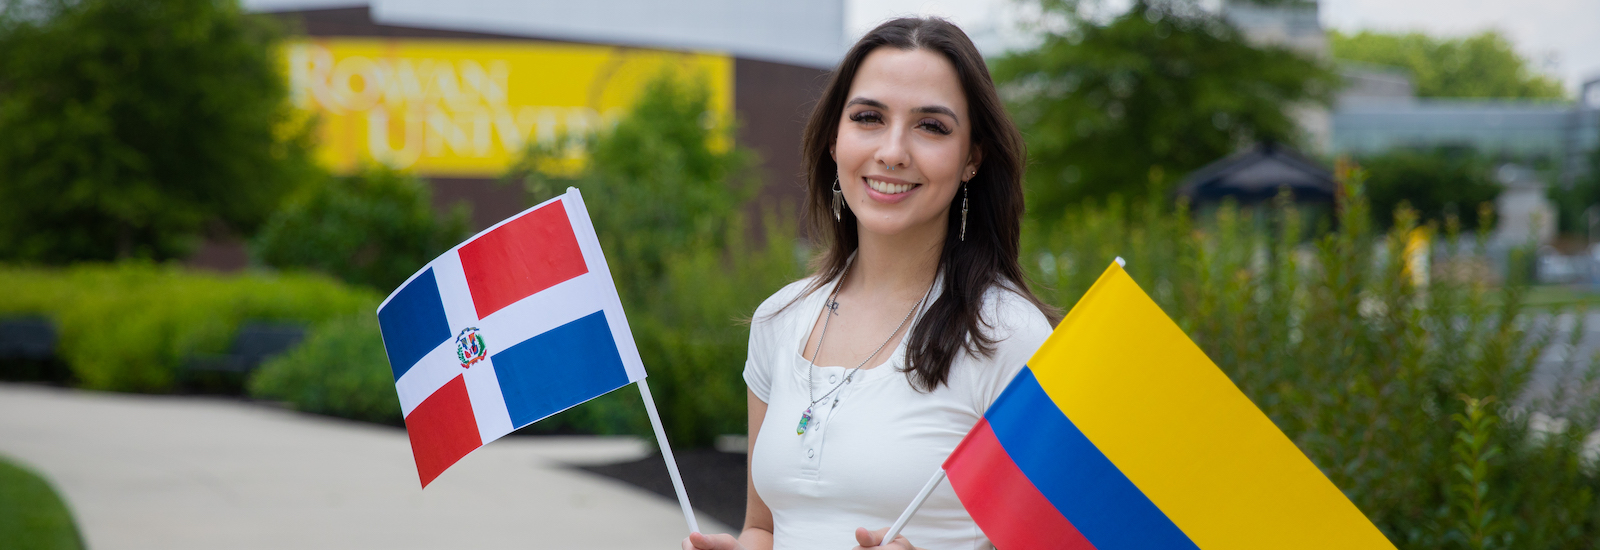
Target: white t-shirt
866,455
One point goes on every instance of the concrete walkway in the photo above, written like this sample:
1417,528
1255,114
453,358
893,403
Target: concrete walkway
177,473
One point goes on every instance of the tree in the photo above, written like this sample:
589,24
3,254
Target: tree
665,188
1481,65
373,229
665,178
132,126
1134,103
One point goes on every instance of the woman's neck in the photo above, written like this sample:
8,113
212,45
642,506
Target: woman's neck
896,265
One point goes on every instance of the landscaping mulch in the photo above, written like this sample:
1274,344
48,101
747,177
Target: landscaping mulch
715,480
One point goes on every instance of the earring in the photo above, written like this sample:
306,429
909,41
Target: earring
838,199
963,235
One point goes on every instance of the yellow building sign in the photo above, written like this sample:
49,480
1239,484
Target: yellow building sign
466,108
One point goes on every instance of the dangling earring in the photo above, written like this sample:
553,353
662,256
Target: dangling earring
963,236
838,199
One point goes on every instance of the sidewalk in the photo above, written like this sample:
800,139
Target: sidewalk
176,473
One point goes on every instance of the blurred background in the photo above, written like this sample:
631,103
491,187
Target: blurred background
1381,219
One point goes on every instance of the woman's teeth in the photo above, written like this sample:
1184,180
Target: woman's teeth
888,188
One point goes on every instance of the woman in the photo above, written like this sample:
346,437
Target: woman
863,377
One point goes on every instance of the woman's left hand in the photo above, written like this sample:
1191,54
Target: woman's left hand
874,539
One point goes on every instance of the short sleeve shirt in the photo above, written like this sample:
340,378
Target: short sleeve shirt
873,444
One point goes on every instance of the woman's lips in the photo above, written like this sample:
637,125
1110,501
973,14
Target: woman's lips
888,190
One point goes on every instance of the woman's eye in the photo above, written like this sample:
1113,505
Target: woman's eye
866,116
934,126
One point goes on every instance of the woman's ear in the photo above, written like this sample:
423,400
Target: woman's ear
973,160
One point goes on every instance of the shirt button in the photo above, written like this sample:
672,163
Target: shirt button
811,453
833,379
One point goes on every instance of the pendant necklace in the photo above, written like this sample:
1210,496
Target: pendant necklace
833,309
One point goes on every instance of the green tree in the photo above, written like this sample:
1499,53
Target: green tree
1481,65
665,171
131,126
375,229
665,188
1134,103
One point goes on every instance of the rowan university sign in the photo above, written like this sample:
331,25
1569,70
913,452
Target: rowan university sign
466,108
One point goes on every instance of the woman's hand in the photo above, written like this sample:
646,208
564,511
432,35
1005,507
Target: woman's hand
697,541
874,539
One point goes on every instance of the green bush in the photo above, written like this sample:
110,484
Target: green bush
1364,370
129,326
1435,183
1573,202
373,229
340,370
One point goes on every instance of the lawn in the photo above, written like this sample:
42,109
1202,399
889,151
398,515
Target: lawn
32,515
1548,297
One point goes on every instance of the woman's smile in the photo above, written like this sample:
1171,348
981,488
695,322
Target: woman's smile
888,190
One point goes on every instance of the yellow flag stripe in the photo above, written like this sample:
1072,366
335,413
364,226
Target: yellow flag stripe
1179,429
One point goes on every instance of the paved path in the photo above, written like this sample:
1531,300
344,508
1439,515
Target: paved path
176,473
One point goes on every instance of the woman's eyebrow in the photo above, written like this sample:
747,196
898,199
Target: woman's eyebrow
868,102
937,110
926,109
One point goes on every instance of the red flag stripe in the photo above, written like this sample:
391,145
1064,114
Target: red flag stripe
1009,509
442,429
526,255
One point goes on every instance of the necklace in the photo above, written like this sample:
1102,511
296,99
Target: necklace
833,309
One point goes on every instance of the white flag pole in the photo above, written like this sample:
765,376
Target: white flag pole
916,503
666,453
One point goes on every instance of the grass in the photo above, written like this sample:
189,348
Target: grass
1548,297
32,515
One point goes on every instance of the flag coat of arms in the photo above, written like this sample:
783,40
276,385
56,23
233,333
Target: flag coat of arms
1120,433
519,322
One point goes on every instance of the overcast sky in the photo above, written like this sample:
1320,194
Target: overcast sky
1561,37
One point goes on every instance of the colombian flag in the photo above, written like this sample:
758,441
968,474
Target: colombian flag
519,322
1120,433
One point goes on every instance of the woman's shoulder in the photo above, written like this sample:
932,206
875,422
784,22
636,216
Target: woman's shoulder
1008,312
785,296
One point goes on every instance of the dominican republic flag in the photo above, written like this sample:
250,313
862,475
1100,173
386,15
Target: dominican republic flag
519,322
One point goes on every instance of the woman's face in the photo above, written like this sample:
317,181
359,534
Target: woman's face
904,143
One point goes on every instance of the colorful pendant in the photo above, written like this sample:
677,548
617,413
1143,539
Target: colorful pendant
805,420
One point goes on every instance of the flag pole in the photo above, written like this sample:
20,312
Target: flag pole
666,453
916,503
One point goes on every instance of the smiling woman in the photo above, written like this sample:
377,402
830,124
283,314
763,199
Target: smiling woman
917,313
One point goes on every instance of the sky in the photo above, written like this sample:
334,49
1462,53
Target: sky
1560,37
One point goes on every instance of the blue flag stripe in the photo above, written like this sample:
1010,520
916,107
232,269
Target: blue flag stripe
562,367
1074,475
413,323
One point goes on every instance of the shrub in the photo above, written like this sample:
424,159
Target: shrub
370,229
127,327
340,370
1365,370
1436,183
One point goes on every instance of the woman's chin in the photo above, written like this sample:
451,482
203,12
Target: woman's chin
894,226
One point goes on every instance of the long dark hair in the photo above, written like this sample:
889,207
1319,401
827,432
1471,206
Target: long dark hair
953,323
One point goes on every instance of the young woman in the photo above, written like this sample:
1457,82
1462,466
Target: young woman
863,377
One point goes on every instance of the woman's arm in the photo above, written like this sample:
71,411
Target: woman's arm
757,533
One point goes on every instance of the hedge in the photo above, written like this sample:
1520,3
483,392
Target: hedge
129,326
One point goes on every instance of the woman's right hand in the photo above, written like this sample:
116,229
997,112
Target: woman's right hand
722,541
